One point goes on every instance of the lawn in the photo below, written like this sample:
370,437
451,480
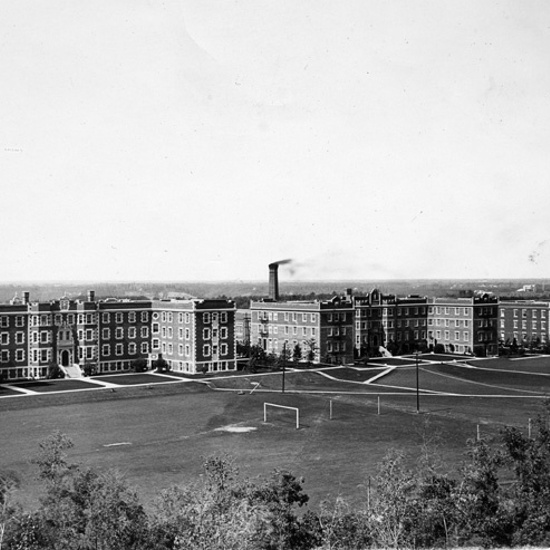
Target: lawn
55,385
131,379
157,434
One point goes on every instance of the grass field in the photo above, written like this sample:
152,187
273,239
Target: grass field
157,434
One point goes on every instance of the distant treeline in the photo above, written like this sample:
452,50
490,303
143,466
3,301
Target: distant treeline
259,289
422,507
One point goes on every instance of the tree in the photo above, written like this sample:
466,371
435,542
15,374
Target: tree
297,353
54,371
393,504
81,508
529,458
161,365
311,351
139,364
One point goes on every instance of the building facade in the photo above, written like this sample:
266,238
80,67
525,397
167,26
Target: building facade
323,327
464,325
523,322
112,335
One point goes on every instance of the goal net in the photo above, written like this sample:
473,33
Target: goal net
295,409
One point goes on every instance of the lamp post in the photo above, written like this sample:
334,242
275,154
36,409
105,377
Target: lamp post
417,386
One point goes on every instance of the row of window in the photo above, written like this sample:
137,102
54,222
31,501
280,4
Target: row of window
526,313
119,349
5,321
106,317
449,322
5,355
295,317
304,331
465,335
534,325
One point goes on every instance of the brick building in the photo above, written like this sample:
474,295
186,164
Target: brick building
324,326
111,335
464,325
523,321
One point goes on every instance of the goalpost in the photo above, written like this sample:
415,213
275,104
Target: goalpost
295,409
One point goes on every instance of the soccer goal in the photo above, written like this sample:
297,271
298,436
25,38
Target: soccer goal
295,409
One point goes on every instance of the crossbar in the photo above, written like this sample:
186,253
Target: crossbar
283,407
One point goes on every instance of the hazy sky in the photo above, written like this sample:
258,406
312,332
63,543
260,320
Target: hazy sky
203,139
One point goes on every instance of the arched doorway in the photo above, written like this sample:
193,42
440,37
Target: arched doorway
65,358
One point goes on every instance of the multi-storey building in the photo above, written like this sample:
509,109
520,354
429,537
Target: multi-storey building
113,334
194,335
464,325
524,322
398,324
326,327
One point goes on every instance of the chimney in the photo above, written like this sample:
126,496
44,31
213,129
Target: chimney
274,282
91,295
26,296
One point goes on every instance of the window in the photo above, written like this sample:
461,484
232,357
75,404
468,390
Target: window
118,318
457,335
34,337
187,350
20,355
206,350
132,317
105,334
223,333
89,318
4,356
106,318
44,337
89,352
131,332
170,349
180,333
45,355
132,348
206,319
144,332
44,320
89,334
170,317
286,315
70,318
206,334
105,350
144,347
155,328
119,350
224,349
187,318
19,337
119,333
180,350
163,332
446,335
144,316
19,321
187,334
4,338
4,321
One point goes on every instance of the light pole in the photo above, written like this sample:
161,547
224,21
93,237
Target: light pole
417,386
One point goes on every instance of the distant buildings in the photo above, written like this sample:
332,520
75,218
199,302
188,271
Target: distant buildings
115,335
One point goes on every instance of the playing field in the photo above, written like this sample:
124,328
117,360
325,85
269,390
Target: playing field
157,433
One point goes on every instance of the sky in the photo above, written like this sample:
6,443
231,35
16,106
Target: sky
204,139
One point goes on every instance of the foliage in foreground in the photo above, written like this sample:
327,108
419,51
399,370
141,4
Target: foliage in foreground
420,507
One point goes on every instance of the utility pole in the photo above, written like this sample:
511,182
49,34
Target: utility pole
284,367
417,386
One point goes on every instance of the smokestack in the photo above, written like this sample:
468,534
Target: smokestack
274,282
26,296
91,295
